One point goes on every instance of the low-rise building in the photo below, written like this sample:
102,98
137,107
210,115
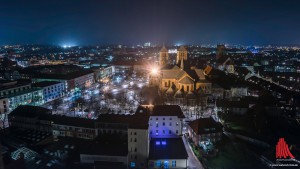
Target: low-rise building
205,131
31,117
167,153
166,121
64,126
51,90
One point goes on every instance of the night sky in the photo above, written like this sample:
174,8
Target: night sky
84,22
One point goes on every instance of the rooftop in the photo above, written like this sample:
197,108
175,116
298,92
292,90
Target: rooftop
206,125
44,83
167,148
30,111
167,110
73,121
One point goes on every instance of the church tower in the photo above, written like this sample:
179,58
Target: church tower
163,56
181,54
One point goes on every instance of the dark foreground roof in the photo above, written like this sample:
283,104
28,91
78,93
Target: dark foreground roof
30,111
167,110
206,125
173,149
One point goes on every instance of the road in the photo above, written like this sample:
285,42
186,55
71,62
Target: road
193,162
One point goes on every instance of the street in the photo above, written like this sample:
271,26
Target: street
193,162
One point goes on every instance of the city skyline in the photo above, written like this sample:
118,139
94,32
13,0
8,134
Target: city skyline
136,22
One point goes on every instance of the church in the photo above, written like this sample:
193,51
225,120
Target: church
181,80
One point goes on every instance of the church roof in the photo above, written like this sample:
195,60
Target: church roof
186,80
182,48
163,49
170,90
178,94
200,73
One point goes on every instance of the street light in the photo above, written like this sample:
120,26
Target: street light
154,70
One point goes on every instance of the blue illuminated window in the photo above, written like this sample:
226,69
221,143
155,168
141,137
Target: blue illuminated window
163,143
132,164
158,163
174,163
157,143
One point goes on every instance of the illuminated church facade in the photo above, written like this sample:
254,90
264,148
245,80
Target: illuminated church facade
181,80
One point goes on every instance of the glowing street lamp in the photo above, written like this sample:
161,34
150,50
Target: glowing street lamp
154,70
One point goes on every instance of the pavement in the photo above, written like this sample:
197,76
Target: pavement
193,162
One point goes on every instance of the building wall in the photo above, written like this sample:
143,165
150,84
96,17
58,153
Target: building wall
164,126
84,81
87,158
138,147
29,123
4,110
177,163
72,131
14,90
53,92
213,137
239,92
206,87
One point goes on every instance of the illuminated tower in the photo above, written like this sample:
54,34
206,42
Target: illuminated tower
220,50
181,54
163,56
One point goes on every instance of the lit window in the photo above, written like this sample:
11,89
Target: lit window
158,163
157,143
174,163
163,143
132,164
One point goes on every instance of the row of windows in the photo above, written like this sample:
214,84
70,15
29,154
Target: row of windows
163,118
163,132
11,91
135,140
135,149
163,123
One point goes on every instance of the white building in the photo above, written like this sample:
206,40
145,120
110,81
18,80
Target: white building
166,121
167,153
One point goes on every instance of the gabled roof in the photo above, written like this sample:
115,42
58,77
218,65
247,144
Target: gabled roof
200,73
186,80
167,110
178,94
205,126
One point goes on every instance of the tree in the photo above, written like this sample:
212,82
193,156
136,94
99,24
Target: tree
56,103
80,102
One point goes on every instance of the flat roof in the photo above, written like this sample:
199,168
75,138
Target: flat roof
167,148
44,83
30,111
